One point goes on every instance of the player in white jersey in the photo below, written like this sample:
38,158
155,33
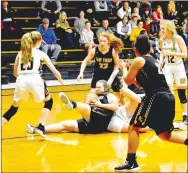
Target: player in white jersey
29,82
174,50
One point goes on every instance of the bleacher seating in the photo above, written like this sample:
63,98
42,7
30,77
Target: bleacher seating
27,17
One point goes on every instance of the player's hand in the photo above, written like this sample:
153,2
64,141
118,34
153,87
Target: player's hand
97,104
52,47
80,76
61,81
166,52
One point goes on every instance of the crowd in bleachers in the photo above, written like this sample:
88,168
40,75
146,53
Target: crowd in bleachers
130,17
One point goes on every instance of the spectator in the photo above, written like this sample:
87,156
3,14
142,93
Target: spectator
104,28
87,37
157,16
123,30
145,5
134,19
88,8
49,38
50,10
147,26
79,23
146,14
64,32
136,10
136,31
101,10
170,13
125,10
8,26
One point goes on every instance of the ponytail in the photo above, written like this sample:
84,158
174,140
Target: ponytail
26,48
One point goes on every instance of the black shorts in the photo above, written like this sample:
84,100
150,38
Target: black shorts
117,84
156,111
96,78
98,122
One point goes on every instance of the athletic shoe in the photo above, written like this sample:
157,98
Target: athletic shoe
128,167
185,119
179,126
30,129
66,100
40,130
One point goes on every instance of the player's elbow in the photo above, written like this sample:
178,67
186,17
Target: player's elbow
128,81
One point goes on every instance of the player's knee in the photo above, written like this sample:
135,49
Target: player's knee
12,111
182,95
166,135
48,104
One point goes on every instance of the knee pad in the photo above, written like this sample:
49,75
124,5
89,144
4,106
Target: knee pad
182,96
48,104
12,111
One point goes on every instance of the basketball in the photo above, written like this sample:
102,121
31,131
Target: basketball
91,98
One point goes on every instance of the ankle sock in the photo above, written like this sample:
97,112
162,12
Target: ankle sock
73,103
40,126
131,156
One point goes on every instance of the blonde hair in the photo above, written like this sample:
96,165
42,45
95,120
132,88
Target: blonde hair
60,18
28,41
169,25
115,42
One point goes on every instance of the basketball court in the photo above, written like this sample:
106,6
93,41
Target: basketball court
72,152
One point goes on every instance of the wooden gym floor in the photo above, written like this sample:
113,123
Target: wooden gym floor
72,152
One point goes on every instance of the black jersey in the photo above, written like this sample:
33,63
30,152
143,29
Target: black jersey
149,77
104,63
104,112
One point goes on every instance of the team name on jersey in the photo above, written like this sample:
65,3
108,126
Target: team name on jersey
106,60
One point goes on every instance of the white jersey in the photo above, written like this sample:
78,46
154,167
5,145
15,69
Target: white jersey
32,67
174,47
29,81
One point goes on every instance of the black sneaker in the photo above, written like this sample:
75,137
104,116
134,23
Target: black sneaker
128,167
66,100
185,119
40,130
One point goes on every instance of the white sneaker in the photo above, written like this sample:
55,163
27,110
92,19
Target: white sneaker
179,126
30,129
66,100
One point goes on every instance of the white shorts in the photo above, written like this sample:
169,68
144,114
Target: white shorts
119,120
30,84
175,73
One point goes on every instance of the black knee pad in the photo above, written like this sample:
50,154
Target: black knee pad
182,96
48,104
12,111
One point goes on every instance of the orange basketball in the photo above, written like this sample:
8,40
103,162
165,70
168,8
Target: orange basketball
91,98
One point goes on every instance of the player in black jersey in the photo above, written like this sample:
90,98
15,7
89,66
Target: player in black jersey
95,116
106,58
157,108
